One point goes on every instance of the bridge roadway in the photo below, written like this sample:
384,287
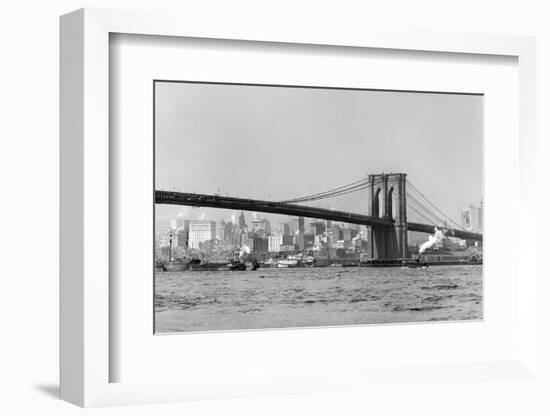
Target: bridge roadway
273,207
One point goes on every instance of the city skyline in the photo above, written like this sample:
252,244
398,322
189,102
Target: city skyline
376,131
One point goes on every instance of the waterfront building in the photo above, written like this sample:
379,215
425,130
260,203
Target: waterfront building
236,239
309,241
294,225
287,248
333,235
200,231
288,240
300,241
243,240
260,246
347,234
448,244
274,242
182,238
319,241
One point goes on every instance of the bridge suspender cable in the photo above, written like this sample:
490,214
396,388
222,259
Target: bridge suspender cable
341,190
411,198
423,216
436,208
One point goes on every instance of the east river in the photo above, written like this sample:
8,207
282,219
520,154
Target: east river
309,297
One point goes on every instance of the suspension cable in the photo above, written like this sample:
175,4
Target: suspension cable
433,205
424,208
423,216
351,187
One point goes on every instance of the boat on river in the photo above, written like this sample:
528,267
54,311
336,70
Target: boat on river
286,263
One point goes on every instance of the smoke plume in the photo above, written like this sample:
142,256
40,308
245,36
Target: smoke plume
244,250
433,239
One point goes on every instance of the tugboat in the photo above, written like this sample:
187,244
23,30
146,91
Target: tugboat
243,261
175,265
417,264
236,265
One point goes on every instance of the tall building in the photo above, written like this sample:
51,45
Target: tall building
260,246
318,227
242,222
333,235
472,218
294,226
346,234
221,231
229,229
285,228
200,231
300,241
274,242
266,226
182,236
301,225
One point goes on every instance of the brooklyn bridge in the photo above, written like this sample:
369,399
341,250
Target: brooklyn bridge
388,202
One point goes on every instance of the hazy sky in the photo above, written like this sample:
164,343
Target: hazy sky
277,143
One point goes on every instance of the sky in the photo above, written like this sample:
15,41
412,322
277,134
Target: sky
276,143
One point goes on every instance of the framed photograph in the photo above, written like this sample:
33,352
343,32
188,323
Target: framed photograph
324,249
266,211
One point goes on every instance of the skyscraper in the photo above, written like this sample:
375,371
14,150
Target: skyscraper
472,219
228,231
200,231
242,223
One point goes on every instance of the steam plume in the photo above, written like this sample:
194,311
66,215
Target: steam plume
434,239
244,250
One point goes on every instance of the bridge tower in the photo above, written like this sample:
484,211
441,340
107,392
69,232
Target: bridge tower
387,198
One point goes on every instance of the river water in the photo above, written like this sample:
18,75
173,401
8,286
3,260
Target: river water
306,297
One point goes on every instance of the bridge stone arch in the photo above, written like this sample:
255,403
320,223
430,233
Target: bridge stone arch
376,203
388,241
390,203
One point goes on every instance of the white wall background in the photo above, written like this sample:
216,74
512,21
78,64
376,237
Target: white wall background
29,208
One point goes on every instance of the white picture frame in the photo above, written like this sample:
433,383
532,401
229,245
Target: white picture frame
85,165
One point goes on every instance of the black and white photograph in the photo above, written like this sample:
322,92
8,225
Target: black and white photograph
283,206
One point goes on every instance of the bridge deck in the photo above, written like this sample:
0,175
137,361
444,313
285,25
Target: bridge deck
272,207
